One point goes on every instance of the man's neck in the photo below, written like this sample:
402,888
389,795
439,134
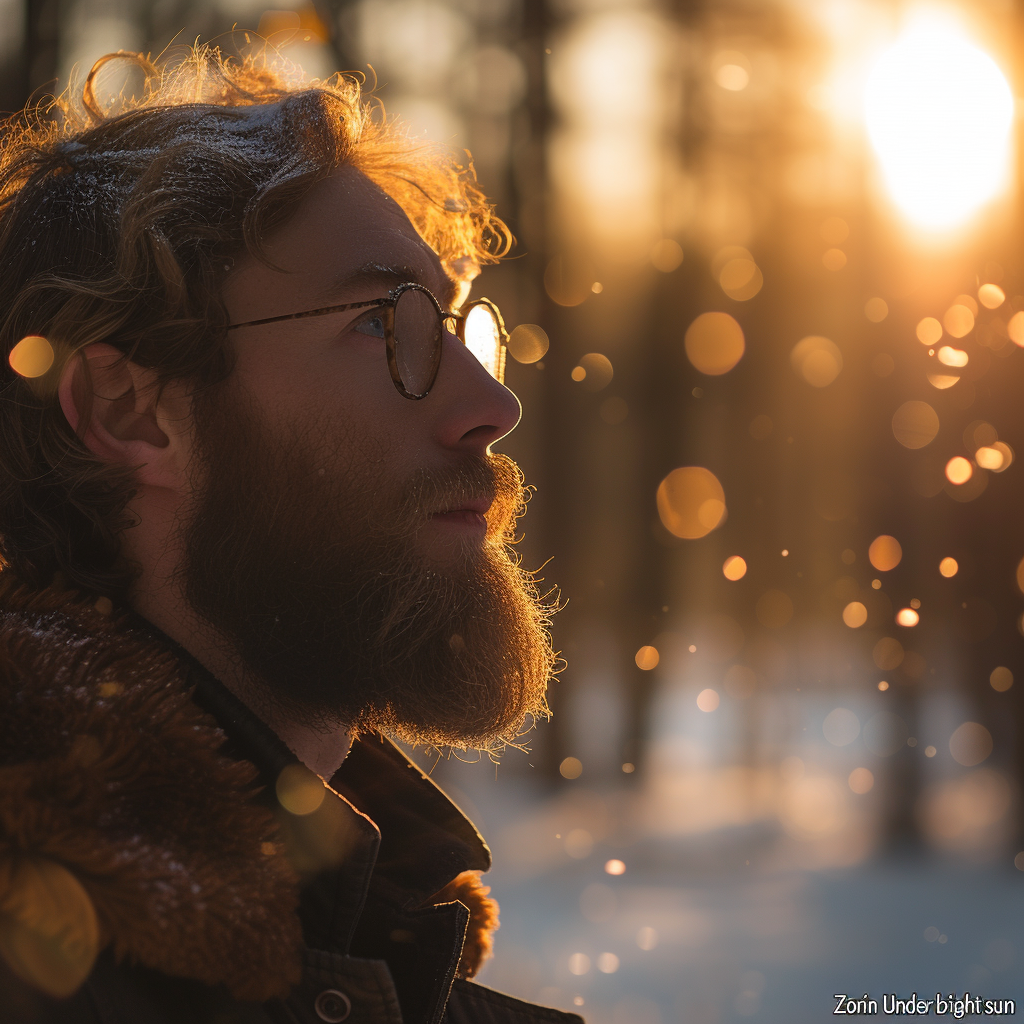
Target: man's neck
321,748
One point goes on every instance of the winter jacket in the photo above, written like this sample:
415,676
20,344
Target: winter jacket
165,859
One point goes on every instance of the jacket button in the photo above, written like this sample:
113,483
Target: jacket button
332,1006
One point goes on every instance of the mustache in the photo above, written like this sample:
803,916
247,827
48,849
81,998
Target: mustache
494,479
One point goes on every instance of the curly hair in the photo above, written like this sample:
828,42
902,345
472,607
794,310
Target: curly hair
120,226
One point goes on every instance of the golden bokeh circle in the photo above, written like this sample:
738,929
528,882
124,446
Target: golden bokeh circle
714,343
734,568
915,424
691,502
32,356
528,343
885,553
817,360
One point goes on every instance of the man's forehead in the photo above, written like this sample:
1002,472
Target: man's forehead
345,235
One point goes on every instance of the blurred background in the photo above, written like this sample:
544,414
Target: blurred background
768,300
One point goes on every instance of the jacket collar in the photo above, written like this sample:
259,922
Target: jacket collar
395,826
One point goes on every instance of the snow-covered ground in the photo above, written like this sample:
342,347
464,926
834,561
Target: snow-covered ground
748,916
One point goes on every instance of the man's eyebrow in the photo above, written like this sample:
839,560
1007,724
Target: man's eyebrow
387,277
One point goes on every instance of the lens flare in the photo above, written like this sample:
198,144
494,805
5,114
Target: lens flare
939,113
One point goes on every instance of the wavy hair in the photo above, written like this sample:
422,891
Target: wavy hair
119,225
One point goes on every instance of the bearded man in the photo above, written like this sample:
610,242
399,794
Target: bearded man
251,527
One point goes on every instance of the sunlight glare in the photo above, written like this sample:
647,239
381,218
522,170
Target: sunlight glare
939,113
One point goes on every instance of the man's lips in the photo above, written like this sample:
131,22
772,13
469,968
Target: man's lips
477,505
470,512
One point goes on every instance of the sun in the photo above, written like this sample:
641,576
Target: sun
939,114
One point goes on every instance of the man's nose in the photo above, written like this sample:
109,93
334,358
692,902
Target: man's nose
474,410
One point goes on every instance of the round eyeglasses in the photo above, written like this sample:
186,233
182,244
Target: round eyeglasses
413,324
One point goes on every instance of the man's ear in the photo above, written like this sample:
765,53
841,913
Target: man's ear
111,404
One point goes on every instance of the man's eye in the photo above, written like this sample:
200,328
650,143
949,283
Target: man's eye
372,325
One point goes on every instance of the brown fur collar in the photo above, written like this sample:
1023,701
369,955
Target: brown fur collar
122,824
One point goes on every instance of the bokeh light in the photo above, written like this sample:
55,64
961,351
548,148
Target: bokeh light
861,780
915,424
855,615
732,70
714,343
741,279
666,255
708,699
970,744
928,331
647,658
948,567
594,371
833,259
300,791
907,617
570,768
841,727
876,310
942,381
528,343
933,93
885,553
887,653
950,356
579,964
1015,328
566,283
989,458
51,931
32,356
615,867
958,321
735,568
691,502
991,296
817,360
959,470
1000,679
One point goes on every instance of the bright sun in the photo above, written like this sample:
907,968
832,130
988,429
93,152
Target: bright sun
939,113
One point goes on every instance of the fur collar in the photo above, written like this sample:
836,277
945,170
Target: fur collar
110,774
122,824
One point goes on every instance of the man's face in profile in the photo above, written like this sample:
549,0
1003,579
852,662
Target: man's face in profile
350,542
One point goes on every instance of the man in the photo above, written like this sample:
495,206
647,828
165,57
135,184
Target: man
251,526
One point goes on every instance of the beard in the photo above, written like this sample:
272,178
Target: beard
340,600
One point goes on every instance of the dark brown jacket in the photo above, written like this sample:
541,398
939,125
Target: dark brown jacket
151,871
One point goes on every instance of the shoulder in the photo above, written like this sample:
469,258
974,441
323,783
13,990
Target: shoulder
122,824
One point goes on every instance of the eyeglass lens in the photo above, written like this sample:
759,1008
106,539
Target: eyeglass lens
418,330
483,338
417,339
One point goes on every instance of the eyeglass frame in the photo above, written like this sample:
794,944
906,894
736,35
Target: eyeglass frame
388,306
